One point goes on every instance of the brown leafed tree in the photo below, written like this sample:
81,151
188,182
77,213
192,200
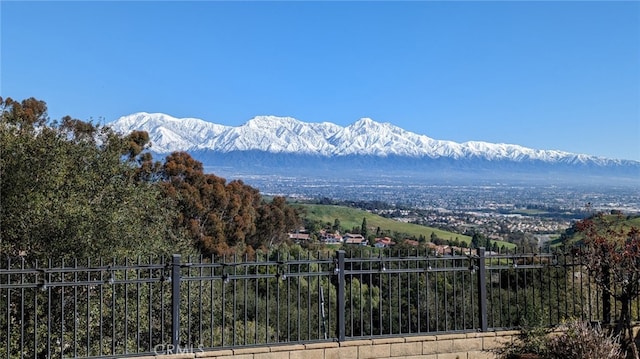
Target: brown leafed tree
197,198
221,216
612,255
241,212
275,220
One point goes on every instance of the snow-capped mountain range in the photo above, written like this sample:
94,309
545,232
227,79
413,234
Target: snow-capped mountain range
365,137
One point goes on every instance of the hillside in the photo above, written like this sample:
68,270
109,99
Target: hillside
619,223
352,217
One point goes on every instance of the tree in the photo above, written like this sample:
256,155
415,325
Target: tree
275,220
612,255
219,216
364,231
69,189
476,240
336,225
202,201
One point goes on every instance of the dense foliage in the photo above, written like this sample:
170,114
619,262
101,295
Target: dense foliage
71,188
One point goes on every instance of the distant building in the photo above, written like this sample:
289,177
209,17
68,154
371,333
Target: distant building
330,237
383,242
350,238
411,242
299,236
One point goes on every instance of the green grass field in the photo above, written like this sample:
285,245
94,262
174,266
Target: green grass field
352,217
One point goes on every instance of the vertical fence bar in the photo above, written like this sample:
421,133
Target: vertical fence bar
8,310
48,280
75,308
189,301
606,297
22,313
482,291
340,300
138,276
35,312
175,301
113,307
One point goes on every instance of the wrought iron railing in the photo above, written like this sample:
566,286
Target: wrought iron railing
155,305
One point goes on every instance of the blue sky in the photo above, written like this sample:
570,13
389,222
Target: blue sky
546,75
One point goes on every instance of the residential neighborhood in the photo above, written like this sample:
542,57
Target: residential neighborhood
334,238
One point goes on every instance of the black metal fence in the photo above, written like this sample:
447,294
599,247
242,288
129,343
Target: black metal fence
150,306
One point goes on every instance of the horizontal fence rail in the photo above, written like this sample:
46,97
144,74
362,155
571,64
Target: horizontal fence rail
171,305
89,309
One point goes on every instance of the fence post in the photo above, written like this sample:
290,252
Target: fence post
606,297
340,303
482,290
175,301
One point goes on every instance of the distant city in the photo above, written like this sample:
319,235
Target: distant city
498,210
484,197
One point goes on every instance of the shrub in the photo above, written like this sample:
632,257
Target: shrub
531,340
576,340
580,340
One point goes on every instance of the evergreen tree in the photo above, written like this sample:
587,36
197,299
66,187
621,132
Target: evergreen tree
363,228
475,240
336,225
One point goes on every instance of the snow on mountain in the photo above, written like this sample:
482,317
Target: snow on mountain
289,135
167,133
274,134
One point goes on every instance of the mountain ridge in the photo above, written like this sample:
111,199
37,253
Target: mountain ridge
365,137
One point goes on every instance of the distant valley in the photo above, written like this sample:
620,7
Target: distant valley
370,161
